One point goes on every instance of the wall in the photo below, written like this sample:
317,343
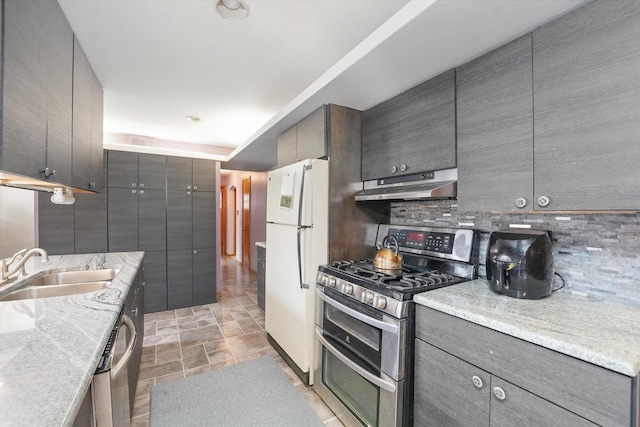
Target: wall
258,223
597,254
17,220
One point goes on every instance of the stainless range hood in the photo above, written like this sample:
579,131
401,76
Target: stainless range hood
421,186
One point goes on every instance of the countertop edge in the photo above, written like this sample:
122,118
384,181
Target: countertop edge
621,364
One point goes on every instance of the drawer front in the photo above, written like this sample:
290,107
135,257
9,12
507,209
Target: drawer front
595,393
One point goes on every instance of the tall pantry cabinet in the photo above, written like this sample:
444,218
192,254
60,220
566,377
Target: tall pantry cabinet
191,232
137,216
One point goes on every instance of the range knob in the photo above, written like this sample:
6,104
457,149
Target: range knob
367,297
379,302
323,279
332,282
347,288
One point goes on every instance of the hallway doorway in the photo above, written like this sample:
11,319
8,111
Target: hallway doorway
246,221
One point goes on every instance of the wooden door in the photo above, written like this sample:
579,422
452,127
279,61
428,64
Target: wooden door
234,215
246,220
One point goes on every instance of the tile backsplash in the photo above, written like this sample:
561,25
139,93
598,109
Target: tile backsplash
596,254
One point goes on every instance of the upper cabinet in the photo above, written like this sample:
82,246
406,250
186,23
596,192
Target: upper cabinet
586,86
306,140
87,123
37,91
412,132
495,129
551,121
42,75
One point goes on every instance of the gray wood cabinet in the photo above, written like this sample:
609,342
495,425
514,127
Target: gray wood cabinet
90,225
204,219
551,121
179,220
123,219
136,170
37,88
179,173
262,265
204,276
412,132
155,273
55,226
495,129
306,140
191,229
587,115
537,386
152,219
87,123
179,278
451,392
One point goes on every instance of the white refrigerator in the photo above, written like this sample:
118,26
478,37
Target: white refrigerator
297,243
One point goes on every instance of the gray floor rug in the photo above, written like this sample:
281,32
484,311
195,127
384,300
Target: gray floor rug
251,393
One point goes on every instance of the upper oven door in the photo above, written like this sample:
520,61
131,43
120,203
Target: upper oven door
373,339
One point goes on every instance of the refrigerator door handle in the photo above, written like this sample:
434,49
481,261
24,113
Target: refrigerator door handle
305,168
302,284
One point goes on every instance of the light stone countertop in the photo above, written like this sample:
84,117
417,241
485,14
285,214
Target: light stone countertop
603,332
50,347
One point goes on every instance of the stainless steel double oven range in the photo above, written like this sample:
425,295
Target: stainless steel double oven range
365,322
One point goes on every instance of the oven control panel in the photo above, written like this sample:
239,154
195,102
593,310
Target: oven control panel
424,240
449,243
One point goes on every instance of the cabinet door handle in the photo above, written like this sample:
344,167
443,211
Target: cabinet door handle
134,185
543,201
521,202
403,168
133,191
195,188
188,187
135,312
195,252
141,191
477,381
188,193
499,393
48,172
141,185
394,169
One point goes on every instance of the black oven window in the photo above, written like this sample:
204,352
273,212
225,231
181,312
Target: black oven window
359,395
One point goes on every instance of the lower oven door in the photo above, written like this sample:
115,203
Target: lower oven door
350,349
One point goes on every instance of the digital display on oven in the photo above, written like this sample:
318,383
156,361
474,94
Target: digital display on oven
414,236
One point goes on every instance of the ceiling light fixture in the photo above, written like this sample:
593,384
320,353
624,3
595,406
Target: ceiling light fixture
194,119
233,10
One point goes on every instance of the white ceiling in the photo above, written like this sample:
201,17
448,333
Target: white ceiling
161,60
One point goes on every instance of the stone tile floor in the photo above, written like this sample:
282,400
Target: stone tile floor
189,341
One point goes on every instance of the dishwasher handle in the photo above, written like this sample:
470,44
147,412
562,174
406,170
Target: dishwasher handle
116,370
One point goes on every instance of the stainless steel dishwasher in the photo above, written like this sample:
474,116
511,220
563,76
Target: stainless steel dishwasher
110,388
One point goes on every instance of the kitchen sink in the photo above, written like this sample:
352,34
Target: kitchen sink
73,277
63,283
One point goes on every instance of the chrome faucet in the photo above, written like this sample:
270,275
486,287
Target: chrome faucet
22,257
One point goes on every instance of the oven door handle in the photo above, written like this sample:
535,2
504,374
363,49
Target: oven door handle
353,313
385,385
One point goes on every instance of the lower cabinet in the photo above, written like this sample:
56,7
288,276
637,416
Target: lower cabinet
262,264
470,375
155,274
452,392
191,277
134,308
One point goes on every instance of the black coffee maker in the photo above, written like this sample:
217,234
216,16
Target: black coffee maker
520,263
